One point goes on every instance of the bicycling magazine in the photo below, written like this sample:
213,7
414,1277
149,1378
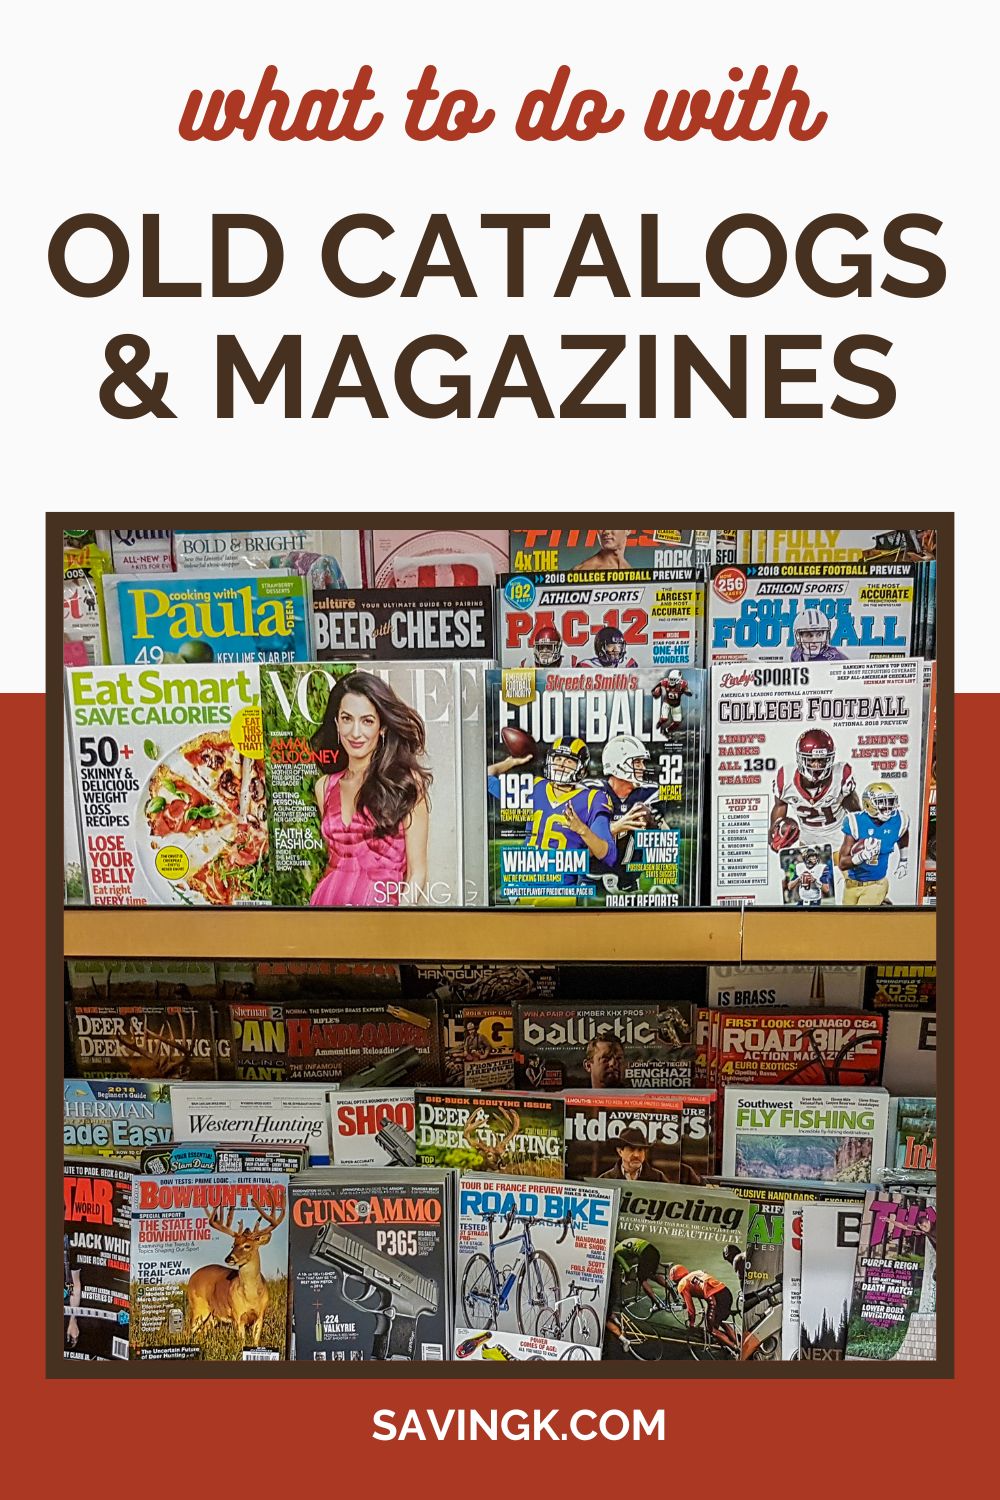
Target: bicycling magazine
532,1268
895,1280
676,1276
370,1264
625,1044
815,770
828,1135
520,1135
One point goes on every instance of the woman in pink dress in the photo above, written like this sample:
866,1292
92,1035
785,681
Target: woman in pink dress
373,806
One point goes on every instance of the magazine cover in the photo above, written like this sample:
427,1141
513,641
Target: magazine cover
125,1039
624,1137
574,549
114,1117
796,1200
830,1135
816,986
403,624
209,1277
256,1112
825,612
73,892
676,1274
806,1049
927,879
893,1306
191,619
85,640
509,1135
138,552
891,544
234,1156
305,981
830,1238
699,1107
901,987
370,1042
329,559
97,1211
816,773
170,784
594,787
911,1053
912,1136
373,1128
370,1265
593,620
532,1265
364,784
437,559
646,1045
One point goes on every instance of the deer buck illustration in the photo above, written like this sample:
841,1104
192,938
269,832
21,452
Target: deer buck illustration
236,1292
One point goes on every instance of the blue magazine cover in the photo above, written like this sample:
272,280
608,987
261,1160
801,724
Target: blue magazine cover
173,618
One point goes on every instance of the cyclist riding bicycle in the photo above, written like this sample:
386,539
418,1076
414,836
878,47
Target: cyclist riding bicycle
718,1300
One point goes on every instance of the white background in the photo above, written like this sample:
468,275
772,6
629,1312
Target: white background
94,97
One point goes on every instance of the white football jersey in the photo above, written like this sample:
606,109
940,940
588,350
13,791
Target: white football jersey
815,807
810,894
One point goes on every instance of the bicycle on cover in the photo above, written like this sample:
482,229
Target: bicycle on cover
571,1320
530,1278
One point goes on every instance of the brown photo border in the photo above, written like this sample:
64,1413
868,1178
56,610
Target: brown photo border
56,1367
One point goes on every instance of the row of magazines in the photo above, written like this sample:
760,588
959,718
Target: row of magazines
353,783
456,1226
498,1027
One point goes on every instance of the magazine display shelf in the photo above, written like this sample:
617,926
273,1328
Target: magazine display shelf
707,936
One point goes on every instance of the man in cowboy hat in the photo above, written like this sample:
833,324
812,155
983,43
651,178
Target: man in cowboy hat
633,1158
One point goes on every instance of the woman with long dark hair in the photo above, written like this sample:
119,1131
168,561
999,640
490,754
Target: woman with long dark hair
373,806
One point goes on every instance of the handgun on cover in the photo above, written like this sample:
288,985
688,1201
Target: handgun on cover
394,1295
397,1144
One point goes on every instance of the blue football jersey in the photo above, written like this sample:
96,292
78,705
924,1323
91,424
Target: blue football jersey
860,825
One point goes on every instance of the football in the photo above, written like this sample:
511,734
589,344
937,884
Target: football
517,742
858,847
784,833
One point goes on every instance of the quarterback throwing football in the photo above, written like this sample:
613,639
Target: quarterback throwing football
566,813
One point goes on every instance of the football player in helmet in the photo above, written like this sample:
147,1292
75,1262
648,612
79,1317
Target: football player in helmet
815,795
633,795
566,813
870,836
610,558
806,881
670,690
546,645
811,630
610,650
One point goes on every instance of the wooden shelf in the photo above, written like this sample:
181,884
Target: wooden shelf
712,936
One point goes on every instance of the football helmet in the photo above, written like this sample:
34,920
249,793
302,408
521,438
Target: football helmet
814,756
674,677
880,800
625,758
547,646
609,646
811,856
564,749
812,633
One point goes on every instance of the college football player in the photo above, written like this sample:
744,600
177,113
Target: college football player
814,794
811,630
870,836
610,650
